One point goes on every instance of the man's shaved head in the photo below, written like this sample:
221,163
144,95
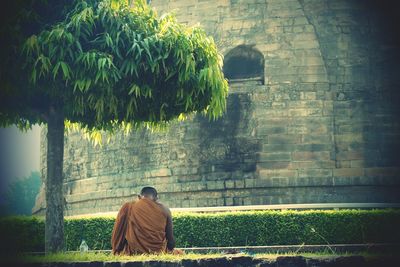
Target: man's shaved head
149,191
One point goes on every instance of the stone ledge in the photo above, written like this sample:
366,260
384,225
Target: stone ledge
238,261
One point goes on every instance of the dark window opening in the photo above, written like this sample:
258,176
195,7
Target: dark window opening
244,63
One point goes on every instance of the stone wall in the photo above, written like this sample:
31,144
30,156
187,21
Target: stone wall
322,126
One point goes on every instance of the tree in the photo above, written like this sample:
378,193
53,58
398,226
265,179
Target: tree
102,65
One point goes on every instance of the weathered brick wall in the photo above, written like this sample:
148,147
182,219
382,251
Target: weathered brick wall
322,128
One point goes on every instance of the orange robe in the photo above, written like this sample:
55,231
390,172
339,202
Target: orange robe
143,226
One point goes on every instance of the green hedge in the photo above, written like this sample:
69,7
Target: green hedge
224,229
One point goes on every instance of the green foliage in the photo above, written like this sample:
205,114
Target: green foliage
228,229
21,233
20,19
21,195
287,227
107,62
96,232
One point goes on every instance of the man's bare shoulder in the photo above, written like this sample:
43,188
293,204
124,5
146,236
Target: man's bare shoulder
164,208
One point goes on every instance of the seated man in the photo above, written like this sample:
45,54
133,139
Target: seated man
143,226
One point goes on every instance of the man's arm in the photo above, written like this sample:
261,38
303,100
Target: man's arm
169,230
118,235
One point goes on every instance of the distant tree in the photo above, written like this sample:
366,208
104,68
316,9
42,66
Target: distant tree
21,195
102,65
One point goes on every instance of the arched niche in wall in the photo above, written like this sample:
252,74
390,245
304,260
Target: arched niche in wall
244,63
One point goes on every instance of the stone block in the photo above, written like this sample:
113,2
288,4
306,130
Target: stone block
317,139
262,157
266,130
249,183
317,181
314,78
212,202
348,261
305,103
237,201
294,165
315,173
343,163
314,147
239,184
284,139
292,261
215,185
156,263
308,95
304,112
283,147
187,178
278,105
263,182
274,164
272,112
214,176
348,172
229,184
349,138
266,263
220,202
350,155
184,170
265,173
247,201
133,264
308,155
185,203
202,202
161,172
357,163
193,186
310,128
280,182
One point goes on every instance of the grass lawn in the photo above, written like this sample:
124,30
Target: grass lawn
101,256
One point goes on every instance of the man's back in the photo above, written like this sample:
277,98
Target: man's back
143,226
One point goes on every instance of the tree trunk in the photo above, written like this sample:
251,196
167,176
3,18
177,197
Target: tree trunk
54,226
